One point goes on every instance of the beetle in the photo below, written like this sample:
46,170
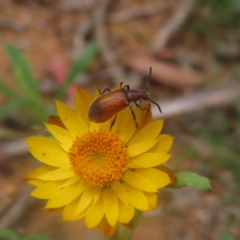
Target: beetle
110,104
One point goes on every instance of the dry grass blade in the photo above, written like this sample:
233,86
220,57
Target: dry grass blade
172,25
136,12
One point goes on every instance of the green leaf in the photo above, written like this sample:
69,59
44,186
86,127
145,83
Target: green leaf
186,179
7,91
225,235
7,234
36,237
23,74
25,80
78,68
127,233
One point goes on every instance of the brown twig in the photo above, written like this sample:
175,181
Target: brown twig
172,26
137,12
73,5
197,101
99,23
79,42
13,148
17,208
169,75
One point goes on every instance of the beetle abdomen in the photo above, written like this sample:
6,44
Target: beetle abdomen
108,105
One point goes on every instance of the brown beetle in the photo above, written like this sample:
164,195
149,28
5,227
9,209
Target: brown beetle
110,104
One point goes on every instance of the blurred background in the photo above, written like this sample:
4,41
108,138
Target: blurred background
50,47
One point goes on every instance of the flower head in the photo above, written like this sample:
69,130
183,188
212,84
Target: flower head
103,175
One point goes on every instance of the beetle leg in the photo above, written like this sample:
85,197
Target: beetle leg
106,89
140,107
113,122
121,83
134,116
126,87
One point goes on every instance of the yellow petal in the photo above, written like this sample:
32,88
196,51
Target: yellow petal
110,204
35,182
82,102
69,211
46,190
169,172
136,197
106,229
71,181
96,94
48,151
96,191
71,119
120,192
124,126
85,200
106,125
39,171
152,200
148,160
94,126
121,118
144,117
94,214
64,196
62,135
164,144
148,133
56,120
157,178
137,149
33,175
125,213
59,174
138,181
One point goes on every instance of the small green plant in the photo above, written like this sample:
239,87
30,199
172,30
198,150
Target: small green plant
26,98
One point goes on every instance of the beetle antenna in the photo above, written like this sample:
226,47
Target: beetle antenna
156,105
149,78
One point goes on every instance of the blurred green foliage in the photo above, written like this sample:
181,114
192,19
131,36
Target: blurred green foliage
225,235
7,234
26,98
212,17
220,130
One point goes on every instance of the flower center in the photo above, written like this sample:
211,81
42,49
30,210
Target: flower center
99,158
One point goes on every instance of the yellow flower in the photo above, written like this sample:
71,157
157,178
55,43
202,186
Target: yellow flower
103,175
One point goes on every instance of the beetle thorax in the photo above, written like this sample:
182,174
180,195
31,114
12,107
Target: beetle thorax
135,95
